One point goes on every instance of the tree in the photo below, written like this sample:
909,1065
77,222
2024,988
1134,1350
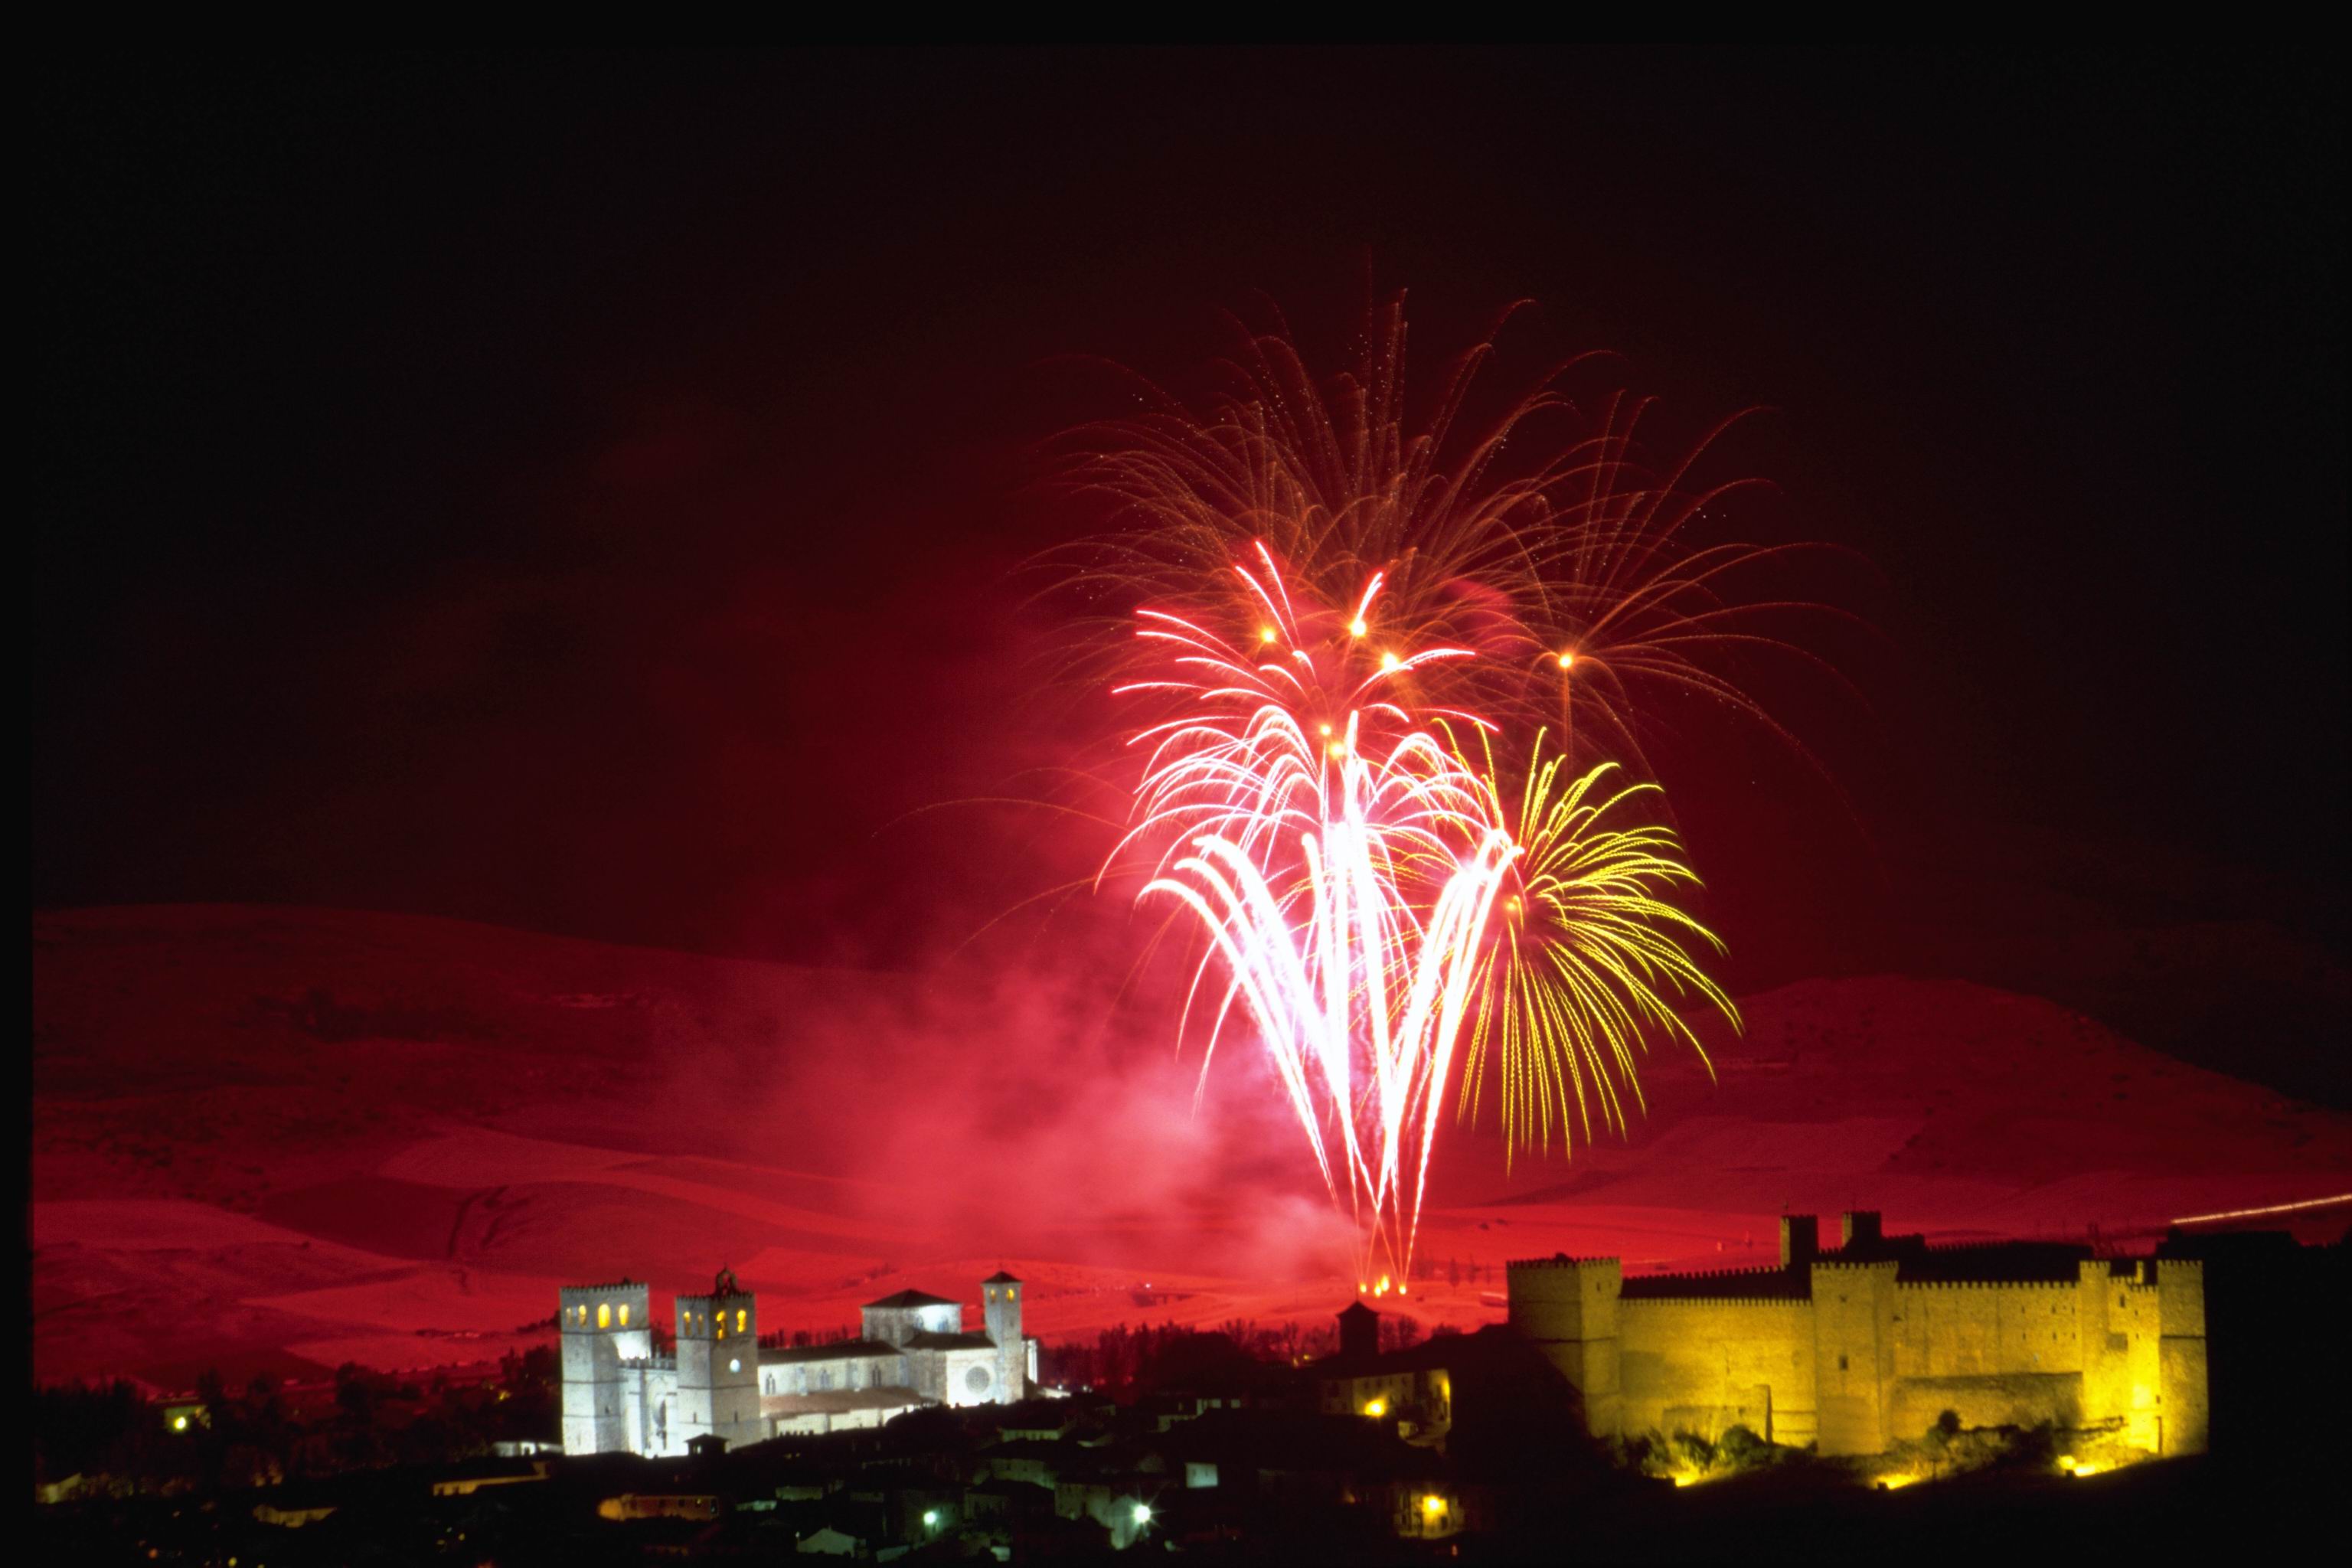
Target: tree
1742,1449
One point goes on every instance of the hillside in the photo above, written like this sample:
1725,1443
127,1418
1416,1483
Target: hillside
282,1139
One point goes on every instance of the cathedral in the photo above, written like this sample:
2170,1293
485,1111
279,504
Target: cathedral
621,1395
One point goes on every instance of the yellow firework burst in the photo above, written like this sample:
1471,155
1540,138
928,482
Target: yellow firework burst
1590,956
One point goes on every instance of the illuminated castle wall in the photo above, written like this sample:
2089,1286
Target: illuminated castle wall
621,1396
1865,1346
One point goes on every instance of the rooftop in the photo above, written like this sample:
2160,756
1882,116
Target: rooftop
910,1298
839,1400
937,1342
838,1350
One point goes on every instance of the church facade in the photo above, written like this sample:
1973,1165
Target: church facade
621,1395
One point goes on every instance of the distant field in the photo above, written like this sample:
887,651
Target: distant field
276,1140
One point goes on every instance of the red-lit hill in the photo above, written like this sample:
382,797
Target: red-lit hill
282,1139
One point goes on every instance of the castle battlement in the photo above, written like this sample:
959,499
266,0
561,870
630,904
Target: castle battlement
1901,1284
1862,1347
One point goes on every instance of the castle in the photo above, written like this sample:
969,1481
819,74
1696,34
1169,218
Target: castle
621,1395
1864,1346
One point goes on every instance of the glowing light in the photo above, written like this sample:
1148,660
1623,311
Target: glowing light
1142,1514
2270,1209
931,1519
1431,1505
1391,664
1376,1408
1568,661
179,1423
1357,628
1265,634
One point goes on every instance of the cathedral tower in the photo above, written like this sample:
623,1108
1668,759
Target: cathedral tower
999,1299
719,1365
600,1326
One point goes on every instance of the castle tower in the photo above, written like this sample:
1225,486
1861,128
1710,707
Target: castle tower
1360,1331
2183,1403
1000,1303
1566,1309
599,1327
1853,1354
1800,1239
718,1366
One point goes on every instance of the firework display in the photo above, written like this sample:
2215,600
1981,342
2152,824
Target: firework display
1395,679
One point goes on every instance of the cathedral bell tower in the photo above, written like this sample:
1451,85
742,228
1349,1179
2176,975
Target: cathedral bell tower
1000,1301
719,1365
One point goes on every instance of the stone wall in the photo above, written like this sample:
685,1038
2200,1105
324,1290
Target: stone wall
1705,1366
1992,1399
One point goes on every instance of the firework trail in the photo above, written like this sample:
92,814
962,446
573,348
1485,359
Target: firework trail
1343,863
1538,538
1338,612
1587,951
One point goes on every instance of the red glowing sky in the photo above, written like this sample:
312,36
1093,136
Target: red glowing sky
580,494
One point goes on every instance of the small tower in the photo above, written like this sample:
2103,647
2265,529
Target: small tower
1000,1303
718,1365
1360,1332
1567,1308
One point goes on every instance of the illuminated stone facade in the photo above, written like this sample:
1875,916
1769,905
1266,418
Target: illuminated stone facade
621,1397
1864,1346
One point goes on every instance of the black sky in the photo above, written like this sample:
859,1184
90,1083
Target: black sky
499,486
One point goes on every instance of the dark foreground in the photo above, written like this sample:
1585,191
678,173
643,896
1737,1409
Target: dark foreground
2164,1509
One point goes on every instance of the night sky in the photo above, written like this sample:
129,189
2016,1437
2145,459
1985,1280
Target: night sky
582,494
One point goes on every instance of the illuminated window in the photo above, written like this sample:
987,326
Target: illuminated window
625,1314
603,1314
742,1318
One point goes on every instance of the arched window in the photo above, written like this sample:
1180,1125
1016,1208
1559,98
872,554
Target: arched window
603,1314
625,1314
742,1318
